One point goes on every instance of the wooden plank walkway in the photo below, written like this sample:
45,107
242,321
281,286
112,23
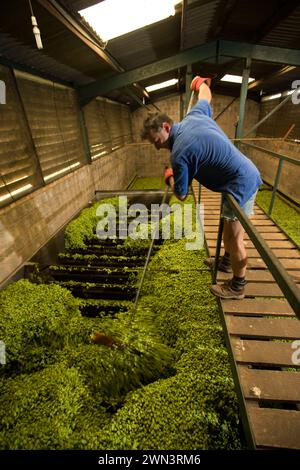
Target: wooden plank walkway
261,329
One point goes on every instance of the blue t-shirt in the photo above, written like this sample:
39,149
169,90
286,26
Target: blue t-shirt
201,150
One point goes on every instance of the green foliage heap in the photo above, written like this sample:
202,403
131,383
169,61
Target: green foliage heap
51,329
197,407
155,182
111,373
37,410
165,384
103,307
175,413
79,230
285,215
35,320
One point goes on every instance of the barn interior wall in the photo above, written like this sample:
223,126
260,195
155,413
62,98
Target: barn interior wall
289,180
27,223
151,162
40,134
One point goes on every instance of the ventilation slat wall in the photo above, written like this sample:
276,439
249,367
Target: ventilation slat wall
113,113
40,133
108,125
53,118
126,125
17,163
97,128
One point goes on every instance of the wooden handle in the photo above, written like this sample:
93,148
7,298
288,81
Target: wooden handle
191,101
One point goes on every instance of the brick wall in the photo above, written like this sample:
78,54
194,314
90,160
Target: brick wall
267,165
151,162
229,119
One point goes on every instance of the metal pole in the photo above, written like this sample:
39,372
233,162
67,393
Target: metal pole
274,154
84,134
287,98
199,193
183,23
146,263
225,109
181,107
243,98
276,183
190,102
188,80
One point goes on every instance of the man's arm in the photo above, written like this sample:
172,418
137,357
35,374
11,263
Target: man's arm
202,86
171,184
182,186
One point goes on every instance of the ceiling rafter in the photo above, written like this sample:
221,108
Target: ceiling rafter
183,23
282,71
201,53
181,59
283,12
65,18
222,20
223,14
71,24
279,55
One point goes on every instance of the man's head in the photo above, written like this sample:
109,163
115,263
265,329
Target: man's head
157,128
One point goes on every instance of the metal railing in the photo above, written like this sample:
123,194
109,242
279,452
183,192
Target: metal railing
281,158
284,280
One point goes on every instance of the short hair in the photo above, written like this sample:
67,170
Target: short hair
154,121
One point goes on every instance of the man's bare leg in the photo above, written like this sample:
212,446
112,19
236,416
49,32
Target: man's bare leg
233,236
234,244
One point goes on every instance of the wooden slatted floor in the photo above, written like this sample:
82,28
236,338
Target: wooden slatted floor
261,329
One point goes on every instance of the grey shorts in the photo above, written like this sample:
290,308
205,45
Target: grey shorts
227,212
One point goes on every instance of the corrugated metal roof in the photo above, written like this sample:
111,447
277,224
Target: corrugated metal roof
77,5
285,34
61,44
198,23
245,19
148,44
133,50
65,56
21,54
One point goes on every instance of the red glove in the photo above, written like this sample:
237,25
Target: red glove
168,174
197,82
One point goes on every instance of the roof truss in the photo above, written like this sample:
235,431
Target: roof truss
206,52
